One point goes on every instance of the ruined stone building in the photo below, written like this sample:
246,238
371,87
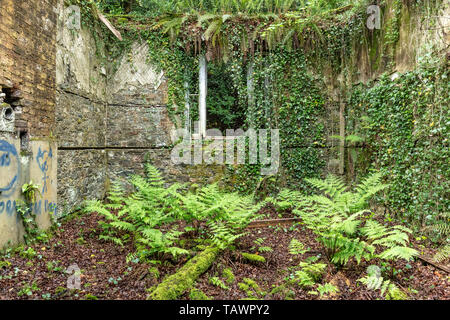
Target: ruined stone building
72,125
62,125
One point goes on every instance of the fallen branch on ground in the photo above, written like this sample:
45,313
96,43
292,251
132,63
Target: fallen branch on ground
183,280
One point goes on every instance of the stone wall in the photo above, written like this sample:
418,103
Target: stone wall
422,29
72,124
108,123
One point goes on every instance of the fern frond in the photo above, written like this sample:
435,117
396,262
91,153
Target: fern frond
369,187
154,176
399,253
296,247
123,226
442,254
115,240
442,228
332,185
374,230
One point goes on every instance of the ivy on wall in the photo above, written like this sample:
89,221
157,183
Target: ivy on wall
405,123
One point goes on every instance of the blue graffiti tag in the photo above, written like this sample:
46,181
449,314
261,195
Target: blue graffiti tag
5,160
42,159
39,207
7,151
8,206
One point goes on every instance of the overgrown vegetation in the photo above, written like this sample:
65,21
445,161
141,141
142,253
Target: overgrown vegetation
343,223
405,126
283,41
148,217
401,121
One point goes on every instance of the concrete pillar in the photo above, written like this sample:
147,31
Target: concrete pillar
203,90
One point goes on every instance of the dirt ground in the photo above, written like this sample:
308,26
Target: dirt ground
39,272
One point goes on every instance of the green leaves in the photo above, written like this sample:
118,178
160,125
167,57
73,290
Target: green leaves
309,274
146,214
394,239
141,215
442,254
296,247
337,219
374,281
30,191
397,252
327,289
402,123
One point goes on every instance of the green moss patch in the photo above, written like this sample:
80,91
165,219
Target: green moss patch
197,294
253,258
177,284
228,275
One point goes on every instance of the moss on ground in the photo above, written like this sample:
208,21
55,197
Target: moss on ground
180,282
284,292
251,288
154,272
396,294
228,275
254,258
197,294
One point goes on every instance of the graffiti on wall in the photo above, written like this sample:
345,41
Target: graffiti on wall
10,178
9,168
43,159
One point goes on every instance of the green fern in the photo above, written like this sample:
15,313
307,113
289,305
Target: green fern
303,279
405,253
335,216
442,228
153,206
442,254
287,199
296,247
141,215
394,239
374,281
327,289
309,274
226,214
315,270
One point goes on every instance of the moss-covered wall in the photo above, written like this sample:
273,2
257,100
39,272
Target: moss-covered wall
313,101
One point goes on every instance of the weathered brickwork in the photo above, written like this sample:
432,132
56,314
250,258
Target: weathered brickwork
27,61
27,112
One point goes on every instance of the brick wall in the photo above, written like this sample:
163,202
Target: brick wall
27,61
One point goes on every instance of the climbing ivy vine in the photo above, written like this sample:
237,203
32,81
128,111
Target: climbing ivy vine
406,126
404,123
